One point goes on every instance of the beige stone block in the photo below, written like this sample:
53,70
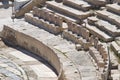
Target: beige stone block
96,42
49,17
78,47
101,64
78,29
59,21
55,19
91,40
69,26
86,45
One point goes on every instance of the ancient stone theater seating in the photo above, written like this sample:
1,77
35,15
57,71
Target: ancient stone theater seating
106,23
62,26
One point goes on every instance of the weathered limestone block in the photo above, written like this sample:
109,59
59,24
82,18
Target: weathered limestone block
100,34
55,19
103,52
59,21
70,36
78,29
91,40
86,45
78,47
116,48
111,17
78,4
114,8
56,30
46,25
75,28
80,40
46,15
96,56
69,26
28,17
96,42
101,63
85,33
52,18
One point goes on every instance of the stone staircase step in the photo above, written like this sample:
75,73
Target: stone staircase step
63,9
115,47
110,17
97,32
42,23
78,4
65,17
114,8
97,2
96,56
104,26
70,36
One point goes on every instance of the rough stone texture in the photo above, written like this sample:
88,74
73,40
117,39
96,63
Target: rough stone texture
67,10
78,4
76,64
27,7
96,32
103,25
109,17
68,49
43,24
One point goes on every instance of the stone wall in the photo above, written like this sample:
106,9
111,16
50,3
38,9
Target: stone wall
31,44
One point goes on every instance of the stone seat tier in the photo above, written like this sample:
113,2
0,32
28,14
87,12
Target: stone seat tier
97,57
65,10
115,47
56,43
64,17
114,8
78,4
100,34
42,23
104,26
69,35
110,17
96,2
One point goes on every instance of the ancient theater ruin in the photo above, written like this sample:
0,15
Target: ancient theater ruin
59,39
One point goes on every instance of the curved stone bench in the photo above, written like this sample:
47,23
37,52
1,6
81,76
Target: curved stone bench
33,45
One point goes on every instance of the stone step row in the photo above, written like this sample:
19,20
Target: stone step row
97,32
114,8
70,63
97,3
97,57
116,48
70,36
63,9
100,56
79,30
42,23
99,47
105,26
48,16
78,4
65,18
110,17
